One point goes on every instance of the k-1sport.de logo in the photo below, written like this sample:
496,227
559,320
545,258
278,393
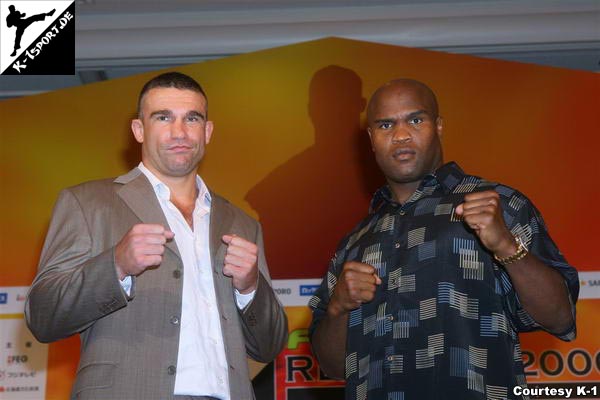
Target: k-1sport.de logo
38,37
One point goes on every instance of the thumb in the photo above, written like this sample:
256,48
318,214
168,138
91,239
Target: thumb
227,238
169,234
377,279
459,209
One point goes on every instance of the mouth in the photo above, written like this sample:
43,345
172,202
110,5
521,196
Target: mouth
403,154
178,149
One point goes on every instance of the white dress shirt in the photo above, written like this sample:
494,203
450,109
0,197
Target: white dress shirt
202,368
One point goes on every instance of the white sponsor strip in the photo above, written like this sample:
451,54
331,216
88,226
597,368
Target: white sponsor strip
295,292
12,299
589,285
23,360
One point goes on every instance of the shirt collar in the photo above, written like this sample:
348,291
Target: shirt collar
447,177
164,193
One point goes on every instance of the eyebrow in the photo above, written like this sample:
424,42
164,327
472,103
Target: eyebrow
409,116
192,113
196,114
161,112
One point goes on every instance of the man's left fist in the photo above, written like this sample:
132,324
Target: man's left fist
482,212
241,263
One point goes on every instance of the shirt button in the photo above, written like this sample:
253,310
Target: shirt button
397,245
174,320
171,370
177,274
402,212
390,358
390,317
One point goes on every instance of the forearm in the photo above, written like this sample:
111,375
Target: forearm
66,300
329,344
542,293
265,325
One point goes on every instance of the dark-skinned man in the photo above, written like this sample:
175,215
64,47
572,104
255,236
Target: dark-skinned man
425,298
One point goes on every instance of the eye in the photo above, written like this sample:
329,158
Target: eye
385,125
162,118
415,120
193,118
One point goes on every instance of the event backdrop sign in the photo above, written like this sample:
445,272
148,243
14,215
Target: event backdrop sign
290,148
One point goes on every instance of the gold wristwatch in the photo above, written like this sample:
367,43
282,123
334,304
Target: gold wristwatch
519,254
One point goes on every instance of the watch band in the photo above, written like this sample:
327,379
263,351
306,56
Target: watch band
519,254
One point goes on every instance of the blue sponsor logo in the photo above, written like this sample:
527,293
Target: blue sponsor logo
3,297
308,290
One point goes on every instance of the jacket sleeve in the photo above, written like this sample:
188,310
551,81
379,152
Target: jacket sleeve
72,288
264,322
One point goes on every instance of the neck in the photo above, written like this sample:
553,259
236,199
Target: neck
181,187
401,192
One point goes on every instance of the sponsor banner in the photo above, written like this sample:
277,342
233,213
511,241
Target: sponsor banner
295,292
589,283
38,37
23,360
12,299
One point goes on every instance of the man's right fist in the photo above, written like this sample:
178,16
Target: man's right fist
355,285
140,248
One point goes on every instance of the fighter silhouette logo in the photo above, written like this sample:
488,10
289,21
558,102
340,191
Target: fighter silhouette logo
18,20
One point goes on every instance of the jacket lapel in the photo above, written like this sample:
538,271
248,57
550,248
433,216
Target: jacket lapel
221,220
139,196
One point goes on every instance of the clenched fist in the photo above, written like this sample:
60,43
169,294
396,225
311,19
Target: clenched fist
141,247
241,263
482,212
356,285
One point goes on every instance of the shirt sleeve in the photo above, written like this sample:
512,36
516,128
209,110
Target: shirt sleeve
525,221
242,300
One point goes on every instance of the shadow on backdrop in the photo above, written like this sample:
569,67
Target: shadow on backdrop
308,203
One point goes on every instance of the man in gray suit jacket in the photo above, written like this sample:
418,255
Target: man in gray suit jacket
166,282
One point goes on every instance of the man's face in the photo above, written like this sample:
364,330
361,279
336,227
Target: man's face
405,133
173,131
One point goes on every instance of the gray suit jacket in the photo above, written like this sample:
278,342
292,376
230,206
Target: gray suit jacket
129,344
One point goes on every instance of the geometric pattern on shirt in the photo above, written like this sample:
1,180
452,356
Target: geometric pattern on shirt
524,232
426,250
443,209
475,381
385,224
373,256
415,237
491,325
331,282
427,206
427,309
468,255
467,185
496,392
467,307
351,364
404,283
425,358
460,289
393,362
463,360
375,374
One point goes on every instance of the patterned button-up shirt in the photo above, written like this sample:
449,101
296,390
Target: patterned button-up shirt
444,322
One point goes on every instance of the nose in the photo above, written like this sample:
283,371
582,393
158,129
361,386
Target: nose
401,135
178,129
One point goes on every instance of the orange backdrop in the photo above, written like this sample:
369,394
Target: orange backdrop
289,147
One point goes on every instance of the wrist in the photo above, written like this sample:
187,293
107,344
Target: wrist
506,248
519,253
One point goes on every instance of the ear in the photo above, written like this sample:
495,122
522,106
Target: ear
439,126
370,137
208,130
137,127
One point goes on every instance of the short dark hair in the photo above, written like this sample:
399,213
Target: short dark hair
175,80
